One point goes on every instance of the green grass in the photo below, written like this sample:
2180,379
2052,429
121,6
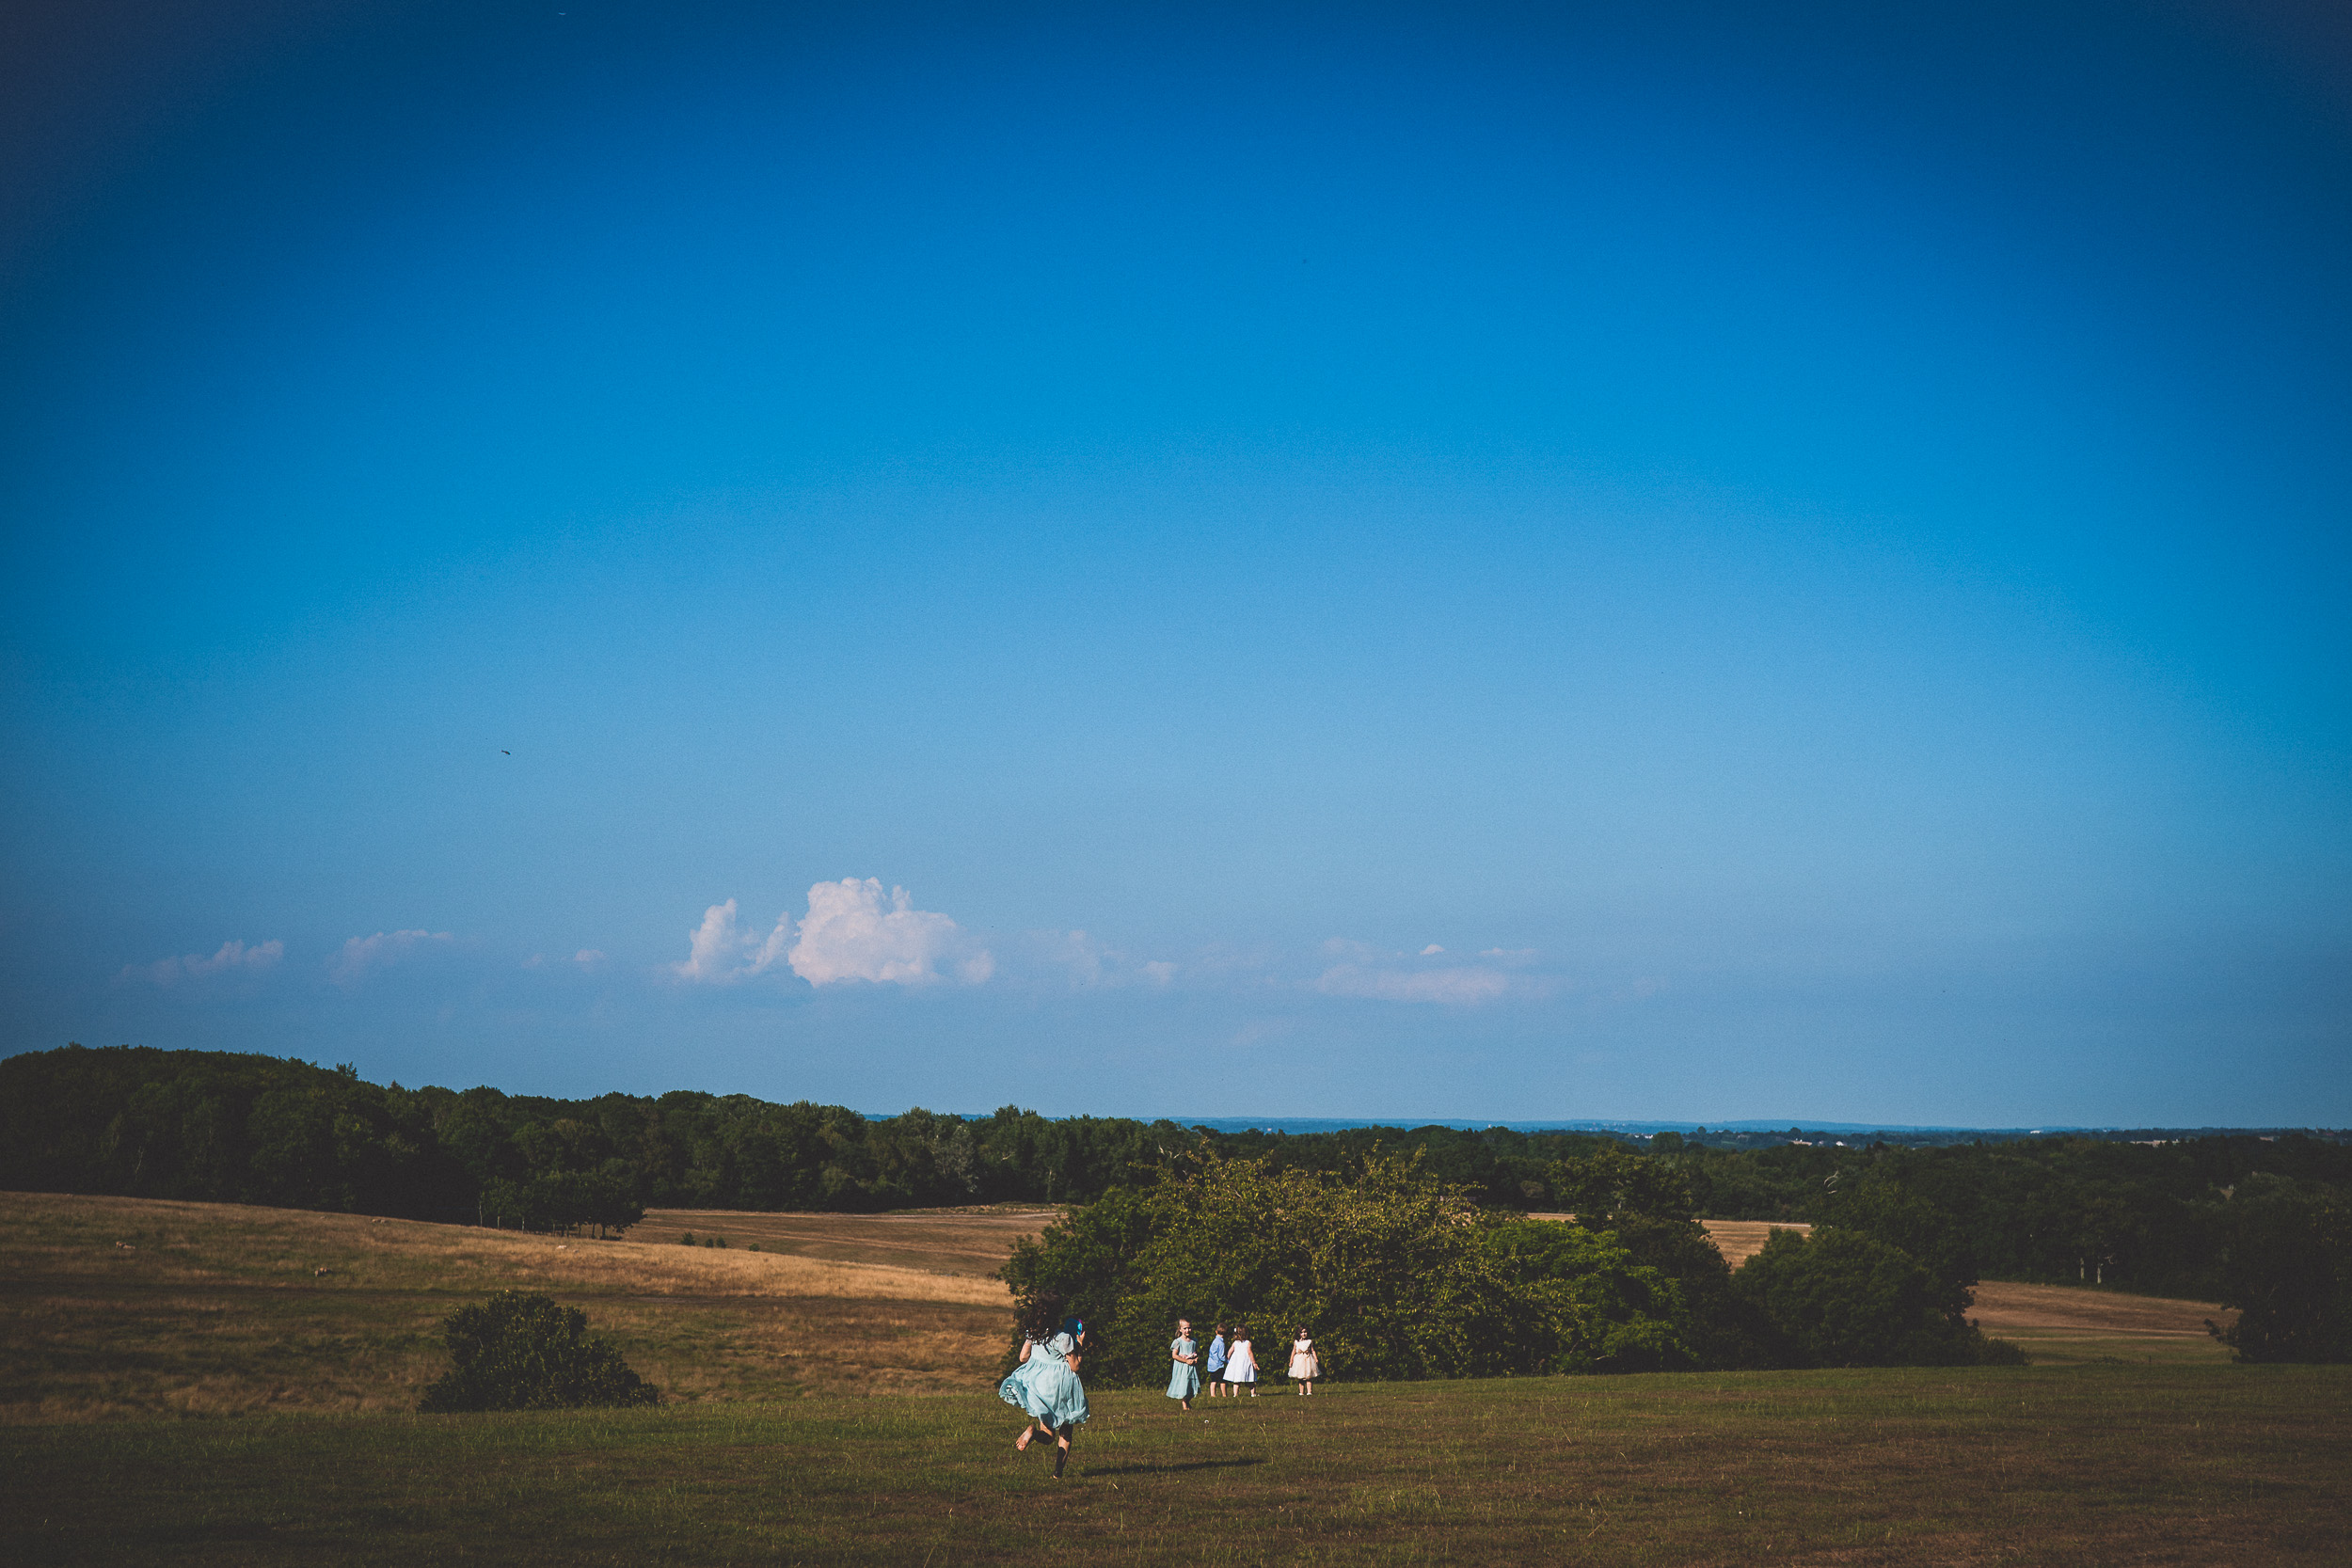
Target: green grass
182,1384
2093,1464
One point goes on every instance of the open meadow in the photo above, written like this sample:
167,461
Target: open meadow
824,1410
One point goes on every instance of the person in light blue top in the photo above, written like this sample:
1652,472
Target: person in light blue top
1045,1386
1185,1381
1215,1367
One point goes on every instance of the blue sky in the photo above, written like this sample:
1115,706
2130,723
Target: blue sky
1637,561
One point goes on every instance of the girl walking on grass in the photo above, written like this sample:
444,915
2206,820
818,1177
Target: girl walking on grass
1305,1364
1216,1361
1241,1363
1185,1381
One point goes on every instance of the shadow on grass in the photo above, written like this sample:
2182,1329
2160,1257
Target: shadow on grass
1169,1469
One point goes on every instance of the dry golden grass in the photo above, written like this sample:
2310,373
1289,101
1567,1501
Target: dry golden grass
2056,1324
966,1242
124,1307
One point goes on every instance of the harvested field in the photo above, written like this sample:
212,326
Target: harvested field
123,1307
2056,1324
970,1243
1740,1240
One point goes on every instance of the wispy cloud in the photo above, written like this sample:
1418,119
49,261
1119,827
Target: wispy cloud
1084,963
1461,985
234,957
1364,971
852,931
363,955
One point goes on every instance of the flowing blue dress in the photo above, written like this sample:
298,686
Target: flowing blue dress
1045,1386
1184,1381
1014,1390
1061,1398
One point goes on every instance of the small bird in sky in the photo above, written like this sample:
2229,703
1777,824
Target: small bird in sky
505,752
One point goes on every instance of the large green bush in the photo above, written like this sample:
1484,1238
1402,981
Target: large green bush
518,1351
1395,1274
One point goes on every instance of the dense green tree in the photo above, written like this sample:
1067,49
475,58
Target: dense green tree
2287,1267
1842,1298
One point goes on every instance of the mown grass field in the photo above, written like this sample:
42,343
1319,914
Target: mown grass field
202,1393
2063,1466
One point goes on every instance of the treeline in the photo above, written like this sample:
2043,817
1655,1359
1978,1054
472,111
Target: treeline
223,1127
2151,1218
2176,1218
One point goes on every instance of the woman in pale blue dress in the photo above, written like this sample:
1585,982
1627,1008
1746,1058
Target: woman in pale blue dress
1046,1386
1185,1381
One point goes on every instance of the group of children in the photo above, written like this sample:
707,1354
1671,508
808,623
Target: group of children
1232,1364
1044,1383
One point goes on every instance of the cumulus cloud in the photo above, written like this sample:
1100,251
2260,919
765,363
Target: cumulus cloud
1456,986
719,951
362,954
852,933
234,957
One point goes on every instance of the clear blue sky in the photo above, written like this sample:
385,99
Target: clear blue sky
1516,562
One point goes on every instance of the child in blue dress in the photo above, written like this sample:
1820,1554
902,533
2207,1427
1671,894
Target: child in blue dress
1046,1384
1185,1381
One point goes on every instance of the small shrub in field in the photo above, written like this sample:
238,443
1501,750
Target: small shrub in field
518,1351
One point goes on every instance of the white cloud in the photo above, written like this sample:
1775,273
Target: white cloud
1457,987
362,954
588,958
719,952
1432,948
851,935
234,957
851,932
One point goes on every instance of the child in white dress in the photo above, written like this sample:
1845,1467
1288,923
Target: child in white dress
1241,1363
1306,1366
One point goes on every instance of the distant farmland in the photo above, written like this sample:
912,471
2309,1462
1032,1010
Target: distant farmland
825,1408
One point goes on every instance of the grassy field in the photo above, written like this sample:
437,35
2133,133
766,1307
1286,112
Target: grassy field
2179,1466
821,1410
